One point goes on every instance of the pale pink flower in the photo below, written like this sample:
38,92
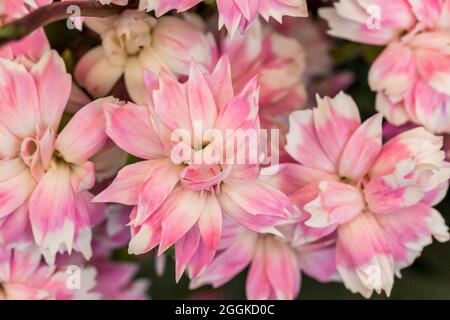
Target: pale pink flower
412,75
45,175
24,276
182,204
275,263
134,42
378,197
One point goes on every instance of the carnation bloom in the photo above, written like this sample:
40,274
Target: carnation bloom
378,197
181,202
135,41
24,276
412,75
275,262
45,175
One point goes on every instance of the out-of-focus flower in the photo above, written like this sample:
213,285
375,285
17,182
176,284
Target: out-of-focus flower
233,14
319,76
14,9
278,62
32,47
275,263
45,175
114,279
240,14
163,6
181,202
378,197
376,21
24,276
133,42
412,75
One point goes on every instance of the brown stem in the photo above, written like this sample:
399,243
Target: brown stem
42,16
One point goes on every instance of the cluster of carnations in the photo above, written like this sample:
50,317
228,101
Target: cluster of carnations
345,204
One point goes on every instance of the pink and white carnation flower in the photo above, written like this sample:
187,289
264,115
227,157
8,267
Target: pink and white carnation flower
412,75
378,198
45,175
180,199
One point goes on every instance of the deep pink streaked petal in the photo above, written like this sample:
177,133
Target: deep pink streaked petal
200,260
85,134
362,149
412,229
15,229
210,223
303,143
335,121
362,245
53,94
319,264
290,177
386,195
185,248
52,211
16,184
138,139
220,83
172,105
20,110
241,112
126,186
391,75
181,212
32,47
257,223
258,285
337,203
228,263
282,269
160,181
258,198
202,105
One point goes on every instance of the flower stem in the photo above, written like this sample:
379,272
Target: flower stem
42,16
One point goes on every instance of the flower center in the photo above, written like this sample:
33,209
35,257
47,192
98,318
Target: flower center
132,32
